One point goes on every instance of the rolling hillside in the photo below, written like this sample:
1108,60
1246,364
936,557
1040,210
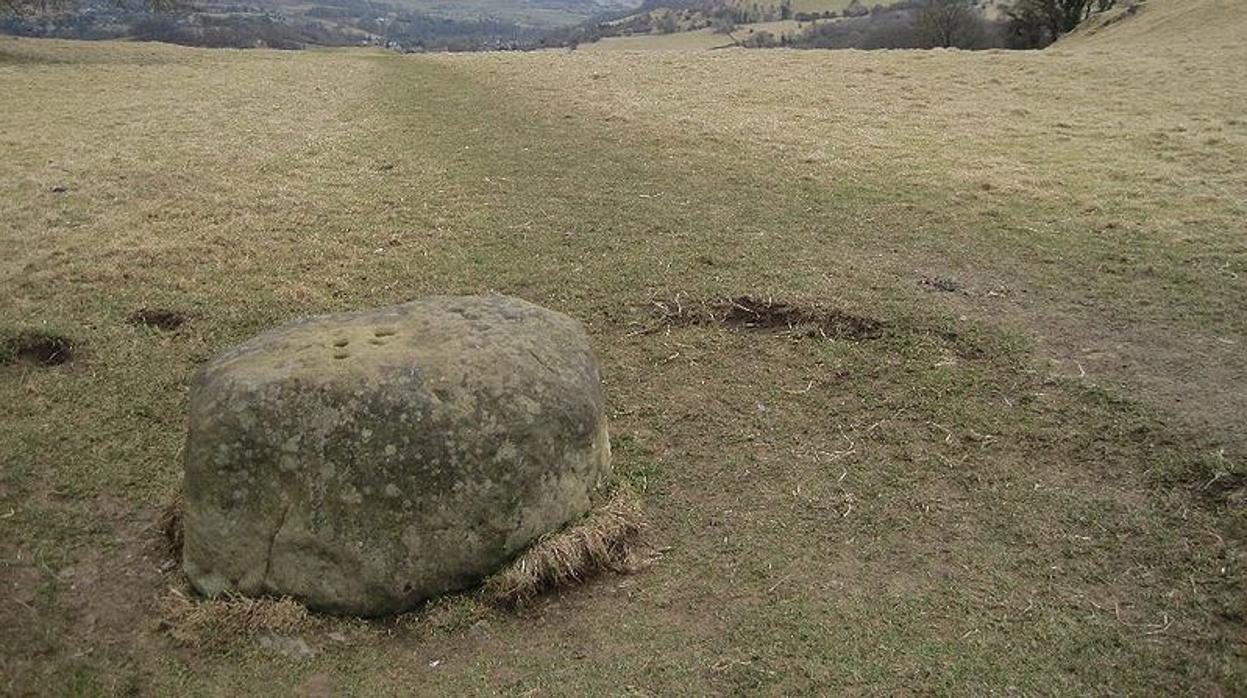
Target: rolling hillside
823,24
1197,26
290,24
529,13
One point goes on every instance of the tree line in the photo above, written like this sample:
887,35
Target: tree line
228,24
1024,24
1021,24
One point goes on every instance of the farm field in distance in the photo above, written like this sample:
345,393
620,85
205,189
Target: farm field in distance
1003,451
699,40
796,5
547,14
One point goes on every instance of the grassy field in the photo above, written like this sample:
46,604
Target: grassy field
773,7
699,40
811,6
1012,460
695,40
547,13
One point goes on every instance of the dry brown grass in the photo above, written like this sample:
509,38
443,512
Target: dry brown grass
846,516
607,539
170,525
1143,151
700,40
749,313
207,623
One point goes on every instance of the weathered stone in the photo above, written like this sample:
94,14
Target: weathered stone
364,462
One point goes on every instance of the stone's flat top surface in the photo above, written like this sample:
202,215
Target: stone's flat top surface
366,341
365,461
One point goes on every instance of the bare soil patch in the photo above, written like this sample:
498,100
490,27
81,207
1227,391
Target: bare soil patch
768,315
160,318
939,283
1226,488
36,349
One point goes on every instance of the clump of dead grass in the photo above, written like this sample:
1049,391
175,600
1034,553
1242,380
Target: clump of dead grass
765,314
216,622
170,525
607,539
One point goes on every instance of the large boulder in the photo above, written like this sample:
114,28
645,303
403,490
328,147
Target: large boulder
366,461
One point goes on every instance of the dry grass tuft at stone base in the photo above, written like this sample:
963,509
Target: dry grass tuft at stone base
606,540
170,525
206,623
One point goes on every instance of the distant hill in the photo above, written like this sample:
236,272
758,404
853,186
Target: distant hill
1166,23
535,13
852,24
402,24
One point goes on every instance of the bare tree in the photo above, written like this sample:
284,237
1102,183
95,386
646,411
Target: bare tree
948,23
1055,17
723,25
667,24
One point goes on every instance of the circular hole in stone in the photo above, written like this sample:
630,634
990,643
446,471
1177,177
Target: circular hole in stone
383,332
36,348
342,342
340,355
